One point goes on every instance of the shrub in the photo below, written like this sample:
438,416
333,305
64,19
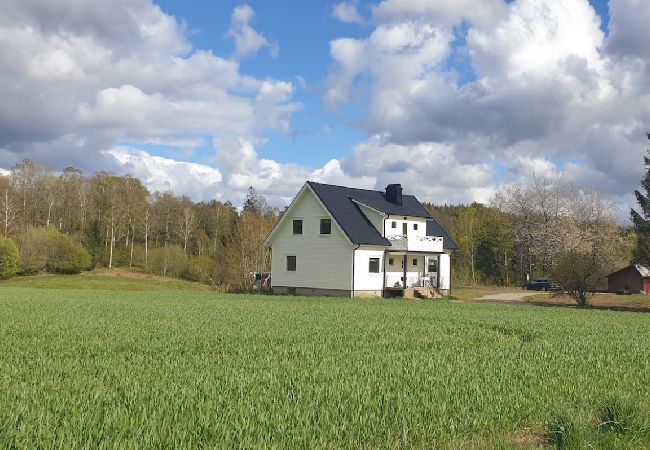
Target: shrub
167,261
579,274
9,258
198,268
49,250
33,250
66,256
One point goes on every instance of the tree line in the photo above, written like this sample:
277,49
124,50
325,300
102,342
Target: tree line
526,229
67,222
114,221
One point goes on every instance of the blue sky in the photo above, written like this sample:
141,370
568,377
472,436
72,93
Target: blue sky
303,30
453,98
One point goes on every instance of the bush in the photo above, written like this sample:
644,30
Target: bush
33,251
198,268
49,250
167,261
579,274
66,256
9,258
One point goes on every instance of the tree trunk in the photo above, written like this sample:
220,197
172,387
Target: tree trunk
131,256
49,214
110,258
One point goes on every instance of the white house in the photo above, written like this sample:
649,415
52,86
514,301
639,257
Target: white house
340,241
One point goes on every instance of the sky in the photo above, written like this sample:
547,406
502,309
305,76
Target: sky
451,98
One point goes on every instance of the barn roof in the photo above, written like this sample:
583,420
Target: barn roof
643,270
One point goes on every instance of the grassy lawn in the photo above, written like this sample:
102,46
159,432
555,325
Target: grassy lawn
80,368
103,279
637,302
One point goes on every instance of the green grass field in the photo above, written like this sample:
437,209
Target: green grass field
185,368
104,279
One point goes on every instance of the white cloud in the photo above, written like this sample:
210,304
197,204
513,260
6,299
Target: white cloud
198,181
347,12
441,12
77,77
248,41
516,86
242,167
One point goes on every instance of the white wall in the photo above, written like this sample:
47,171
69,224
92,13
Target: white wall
410,221
395,272
445,271
363,279
322,261
375,217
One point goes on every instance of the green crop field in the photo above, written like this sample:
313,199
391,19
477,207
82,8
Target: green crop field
125,369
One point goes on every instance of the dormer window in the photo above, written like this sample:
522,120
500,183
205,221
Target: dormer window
415,226
297,226
393,224
326,226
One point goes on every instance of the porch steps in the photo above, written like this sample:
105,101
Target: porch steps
421,292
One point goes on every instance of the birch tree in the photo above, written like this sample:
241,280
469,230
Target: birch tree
8,204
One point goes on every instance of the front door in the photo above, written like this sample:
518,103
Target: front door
405,228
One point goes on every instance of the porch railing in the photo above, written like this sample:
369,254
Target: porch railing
394,279
415,243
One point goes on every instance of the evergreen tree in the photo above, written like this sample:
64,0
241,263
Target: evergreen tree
641,220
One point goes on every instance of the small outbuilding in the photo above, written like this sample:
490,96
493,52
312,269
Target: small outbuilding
632,279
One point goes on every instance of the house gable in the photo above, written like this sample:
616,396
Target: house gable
321,261
287,214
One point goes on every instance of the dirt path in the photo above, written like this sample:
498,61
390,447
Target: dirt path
506,297
519,299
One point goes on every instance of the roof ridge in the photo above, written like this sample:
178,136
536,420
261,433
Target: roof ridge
356,189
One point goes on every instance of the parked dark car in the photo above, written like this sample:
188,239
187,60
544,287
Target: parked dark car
540,284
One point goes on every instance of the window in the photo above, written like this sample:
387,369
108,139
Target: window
415,226
297,226
433,265
415,261
326,226
291,263
393,224
373,265
390,261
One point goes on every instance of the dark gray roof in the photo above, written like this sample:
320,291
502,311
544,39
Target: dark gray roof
434,229
339,202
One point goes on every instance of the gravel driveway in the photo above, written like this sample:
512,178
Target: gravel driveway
507,297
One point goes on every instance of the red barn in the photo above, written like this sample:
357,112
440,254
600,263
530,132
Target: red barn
633,279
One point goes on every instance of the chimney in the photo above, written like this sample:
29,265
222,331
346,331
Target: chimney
394,194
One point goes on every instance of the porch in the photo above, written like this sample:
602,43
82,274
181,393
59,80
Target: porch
408,272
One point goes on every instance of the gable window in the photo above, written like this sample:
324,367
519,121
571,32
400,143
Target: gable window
297,226
393,224
390,261
415,261
415,226
373,265
326,226
291,263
